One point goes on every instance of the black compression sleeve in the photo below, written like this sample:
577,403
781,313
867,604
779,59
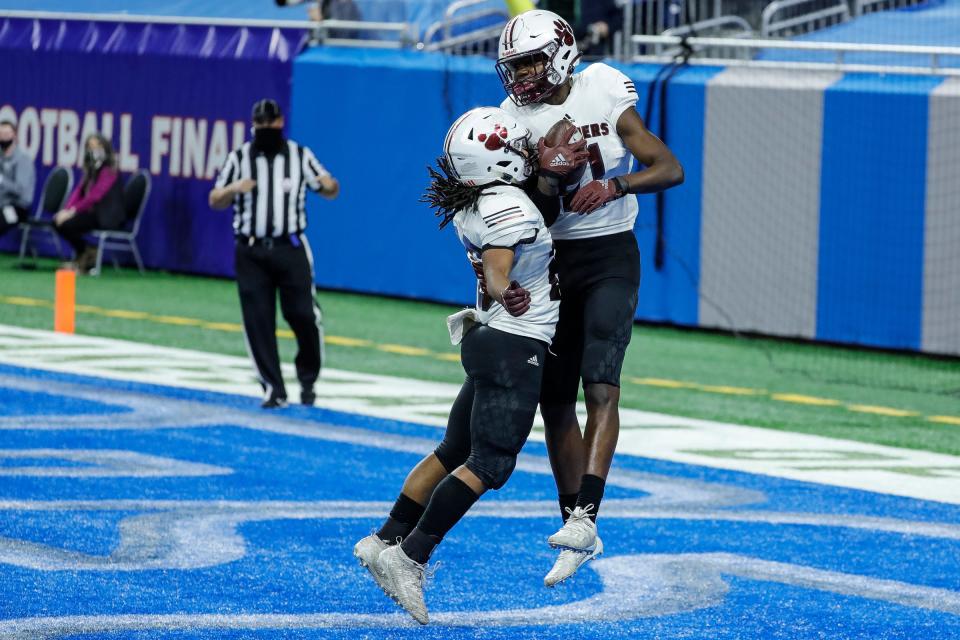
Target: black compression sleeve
549,206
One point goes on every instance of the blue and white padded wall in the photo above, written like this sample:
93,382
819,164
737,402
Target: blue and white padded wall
816,205
830,207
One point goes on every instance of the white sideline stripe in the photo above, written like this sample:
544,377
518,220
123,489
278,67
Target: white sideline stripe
843,463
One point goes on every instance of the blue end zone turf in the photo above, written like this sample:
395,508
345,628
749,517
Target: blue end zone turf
135,511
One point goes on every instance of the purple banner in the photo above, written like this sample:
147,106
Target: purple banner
173,99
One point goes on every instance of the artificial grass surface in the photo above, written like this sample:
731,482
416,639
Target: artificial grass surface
405,338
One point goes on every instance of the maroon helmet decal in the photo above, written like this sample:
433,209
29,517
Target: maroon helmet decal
564,33
494,141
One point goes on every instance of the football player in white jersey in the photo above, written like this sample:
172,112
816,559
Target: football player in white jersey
487,160
597,256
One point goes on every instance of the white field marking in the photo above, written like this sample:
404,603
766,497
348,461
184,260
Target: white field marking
193,534
633,587
133,411
101,463
904,472
196,533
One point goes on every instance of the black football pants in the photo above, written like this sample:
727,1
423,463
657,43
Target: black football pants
262,272
492,416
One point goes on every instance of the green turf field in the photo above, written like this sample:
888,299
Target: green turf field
881,398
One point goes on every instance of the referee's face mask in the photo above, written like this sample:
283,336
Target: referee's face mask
267,127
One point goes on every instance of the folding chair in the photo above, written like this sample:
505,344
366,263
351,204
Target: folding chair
56,188
135,195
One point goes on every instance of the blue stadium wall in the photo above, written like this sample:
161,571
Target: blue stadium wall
816,205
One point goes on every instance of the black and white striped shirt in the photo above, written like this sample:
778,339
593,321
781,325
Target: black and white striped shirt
277,205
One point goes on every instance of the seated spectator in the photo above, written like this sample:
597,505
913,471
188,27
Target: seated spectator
17,179
96,203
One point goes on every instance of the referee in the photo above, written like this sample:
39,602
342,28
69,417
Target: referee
266,181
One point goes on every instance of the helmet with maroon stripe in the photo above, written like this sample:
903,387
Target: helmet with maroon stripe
488,145
537,54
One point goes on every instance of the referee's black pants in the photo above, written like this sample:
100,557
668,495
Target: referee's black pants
263,270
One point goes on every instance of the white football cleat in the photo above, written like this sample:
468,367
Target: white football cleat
579,532
569,561
403,580
367,551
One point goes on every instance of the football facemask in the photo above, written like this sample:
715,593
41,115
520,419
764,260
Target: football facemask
529,77
537,54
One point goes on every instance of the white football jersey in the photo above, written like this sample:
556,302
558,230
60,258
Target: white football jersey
505,217
598,97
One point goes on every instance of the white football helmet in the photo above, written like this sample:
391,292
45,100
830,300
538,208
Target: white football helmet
487,145
542,43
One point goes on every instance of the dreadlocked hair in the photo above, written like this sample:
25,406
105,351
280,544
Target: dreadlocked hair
448,195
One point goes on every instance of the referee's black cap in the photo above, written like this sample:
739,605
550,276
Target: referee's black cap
266,111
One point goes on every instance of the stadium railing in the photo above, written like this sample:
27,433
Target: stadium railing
786,18
838,51
389,35
723,26
656,16
481,40
778,19
861,7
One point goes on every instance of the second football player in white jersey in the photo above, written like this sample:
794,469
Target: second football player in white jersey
505,218
479,186
598,260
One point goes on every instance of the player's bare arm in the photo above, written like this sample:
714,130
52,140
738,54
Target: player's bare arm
497,263
662,171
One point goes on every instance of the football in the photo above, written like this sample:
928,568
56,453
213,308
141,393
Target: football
566,130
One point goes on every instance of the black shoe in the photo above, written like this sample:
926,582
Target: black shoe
308,396
273,402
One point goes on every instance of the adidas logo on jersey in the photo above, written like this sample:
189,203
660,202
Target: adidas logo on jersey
559,161
533,360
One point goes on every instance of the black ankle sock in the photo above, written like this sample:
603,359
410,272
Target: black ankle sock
449,503
567,501
591,492
403,518
419,545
